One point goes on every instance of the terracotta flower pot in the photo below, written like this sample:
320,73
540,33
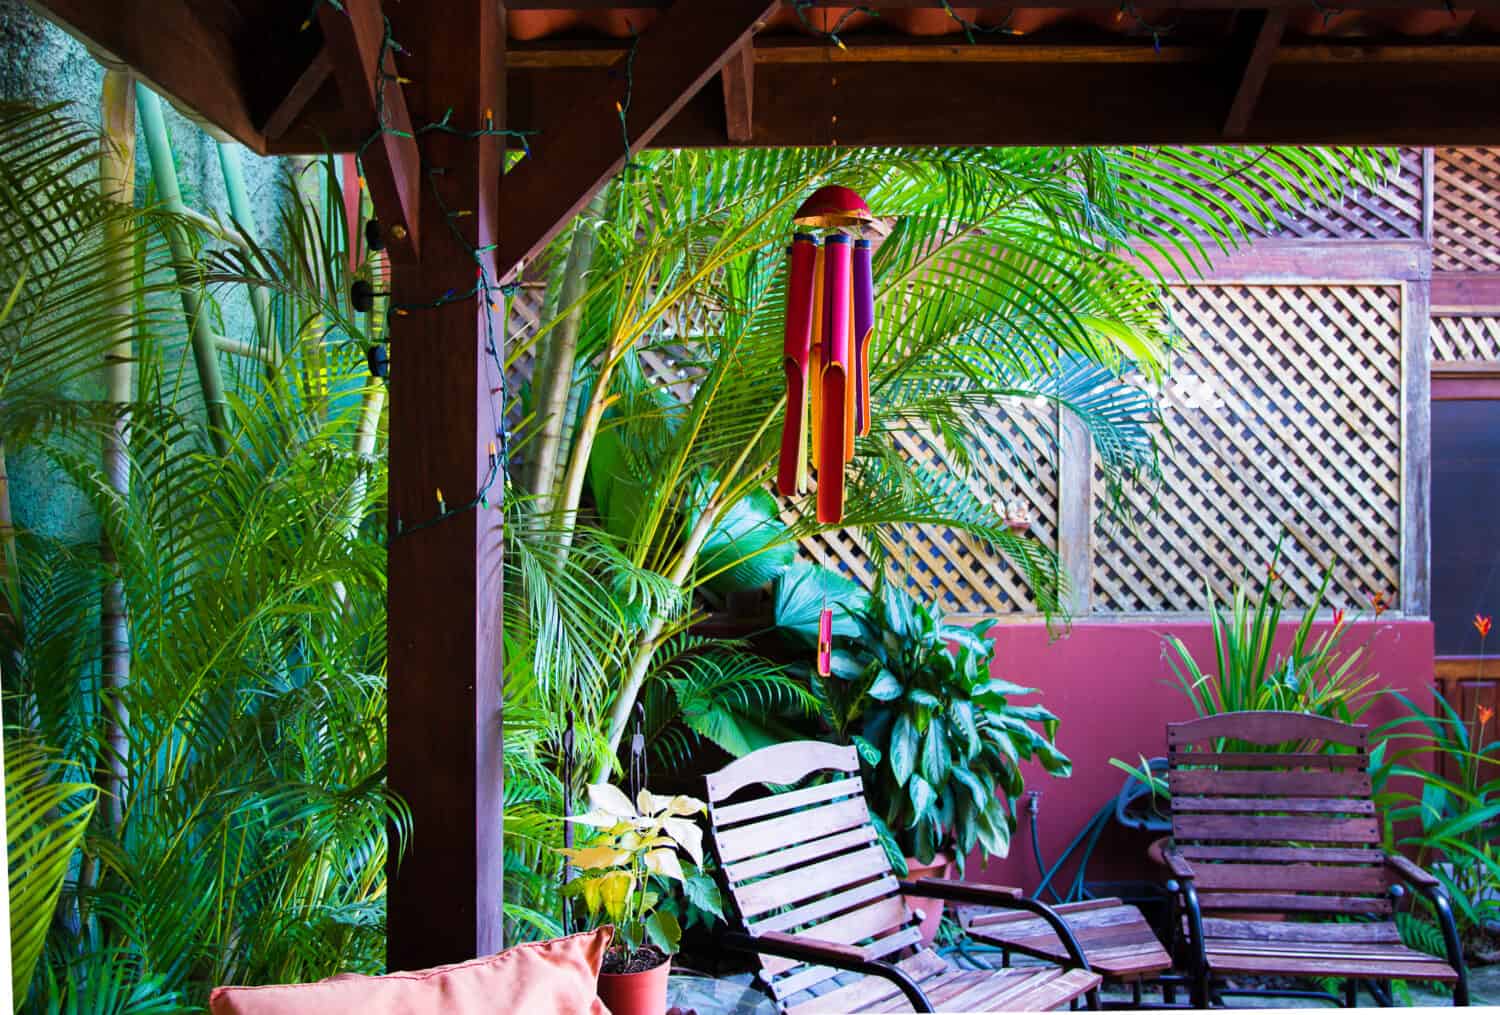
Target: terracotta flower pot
642,993
931,909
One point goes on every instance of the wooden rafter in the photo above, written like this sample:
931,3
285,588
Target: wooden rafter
1202,5
1260,35
356,42
295,100
573,154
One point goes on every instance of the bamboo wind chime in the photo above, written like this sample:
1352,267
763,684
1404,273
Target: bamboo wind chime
830,315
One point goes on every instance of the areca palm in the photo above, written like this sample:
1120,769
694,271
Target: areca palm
252,834
1008,274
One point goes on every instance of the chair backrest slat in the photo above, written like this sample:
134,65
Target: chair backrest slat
753,838
1266,782
1292,829
802,857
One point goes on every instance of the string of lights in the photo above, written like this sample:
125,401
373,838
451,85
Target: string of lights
832,34
972,27
495,298
1127,9
622,108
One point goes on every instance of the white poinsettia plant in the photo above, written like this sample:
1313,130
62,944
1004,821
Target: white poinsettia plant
633,843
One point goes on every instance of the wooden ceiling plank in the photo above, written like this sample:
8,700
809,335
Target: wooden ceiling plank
355,39
173,50
572,156
1262,36
738,78
307,84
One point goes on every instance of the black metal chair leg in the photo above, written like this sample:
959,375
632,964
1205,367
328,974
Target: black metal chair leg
1351,993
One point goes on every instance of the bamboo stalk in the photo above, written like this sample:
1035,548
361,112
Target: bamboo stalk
9,576
117,183
244,221
205,351
557,357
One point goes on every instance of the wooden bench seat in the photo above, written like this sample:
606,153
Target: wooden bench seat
1035,988
1116,939
1368,950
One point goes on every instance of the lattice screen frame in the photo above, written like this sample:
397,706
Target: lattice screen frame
1404,265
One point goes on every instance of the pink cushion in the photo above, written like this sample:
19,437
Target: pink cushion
558,977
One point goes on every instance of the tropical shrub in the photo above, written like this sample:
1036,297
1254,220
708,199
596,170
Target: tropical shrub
241,831
1451,822
941,739
1317,676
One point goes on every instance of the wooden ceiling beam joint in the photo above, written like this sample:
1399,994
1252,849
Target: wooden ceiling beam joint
365,70
738,78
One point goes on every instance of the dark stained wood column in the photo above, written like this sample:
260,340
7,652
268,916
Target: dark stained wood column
445,582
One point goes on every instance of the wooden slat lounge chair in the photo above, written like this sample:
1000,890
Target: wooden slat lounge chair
1291,832
1116,939
817,897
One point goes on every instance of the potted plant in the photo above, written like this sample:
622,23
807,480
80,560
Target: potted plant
624,874
941,737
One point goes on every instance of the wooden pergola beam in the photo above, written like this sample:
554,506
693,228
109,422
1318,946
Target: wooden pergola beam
1260,35
947,94
367,78
171,48
574,153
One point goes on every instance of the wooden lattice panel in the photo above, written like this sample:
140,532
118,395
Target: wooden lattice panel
1466,209
951,568
1456,339
1284,407
1390,211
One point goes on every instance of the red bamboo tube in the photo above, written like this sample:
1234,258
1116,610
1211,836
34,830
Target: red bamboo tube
837,304
796,350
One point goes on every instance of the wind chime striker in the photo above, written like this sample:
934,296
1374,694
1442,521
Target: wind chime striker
829,318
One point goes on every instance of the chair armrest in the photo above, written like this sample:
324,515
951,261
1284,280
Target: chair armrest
829,953
965,892
1000,897
1178,865
1410,872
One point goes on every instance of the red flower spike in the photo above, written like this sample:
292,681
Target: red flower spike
1482,625
1338,618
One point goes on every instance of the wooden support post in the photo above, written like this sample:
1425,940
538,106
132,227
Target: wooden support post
1262,33
445,583
1416,449
681,51
1075,512
739,95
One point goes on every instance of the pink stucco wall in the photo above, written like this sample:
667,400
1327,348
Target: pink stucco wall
1111,686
